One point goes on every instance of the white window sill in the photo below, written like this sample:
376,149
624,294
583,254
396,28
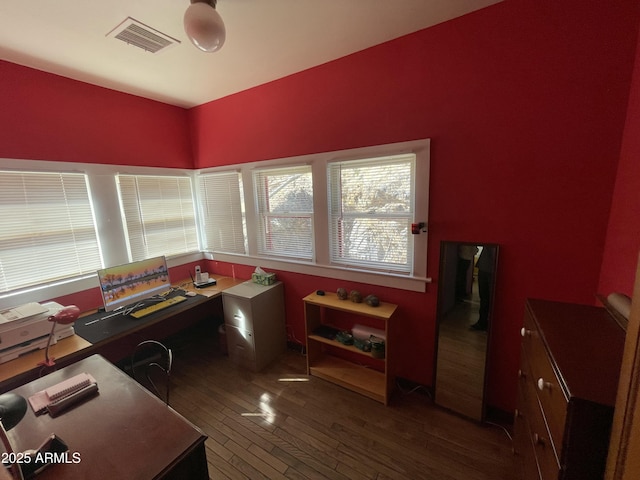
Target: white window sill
402,282
79,284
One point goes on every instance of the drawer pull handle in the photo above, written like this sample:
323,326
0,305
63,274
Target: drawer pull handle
521,374
518,414
537,439
237,317
542,384
524,332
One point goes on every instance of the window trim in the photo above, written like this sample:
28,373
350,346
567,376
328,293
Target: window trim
234,233
262,213
111,234
55,212
322,265
137,185
334,168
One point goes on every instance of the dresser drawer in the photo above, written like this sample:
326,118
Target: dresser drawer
523,447
546,384
543,446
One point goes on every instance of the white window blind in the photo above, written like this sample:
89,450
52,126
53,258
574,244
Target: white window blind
221,206
284,202
47,229
371,207
159,215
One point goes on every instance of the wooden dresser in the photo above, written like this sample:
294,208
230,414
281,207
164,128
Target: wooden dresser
570,363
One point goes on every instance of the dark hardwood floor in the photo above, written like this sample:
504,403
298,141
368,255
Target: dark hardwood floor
280,424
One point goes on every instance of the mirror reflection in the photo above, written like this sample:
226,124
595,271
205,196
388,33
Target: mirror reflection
466,287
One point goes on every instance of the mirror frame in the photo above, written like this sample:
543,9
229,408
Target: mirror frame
444,244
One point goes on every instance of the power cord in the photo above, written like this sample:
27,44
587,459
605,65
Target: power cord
503,429
292,337
413,390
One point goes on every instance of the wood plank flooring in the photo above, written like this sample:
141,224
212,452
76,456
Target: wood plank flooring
281,424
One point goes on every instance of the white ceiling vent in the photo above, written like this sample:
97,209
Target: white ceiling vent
142,36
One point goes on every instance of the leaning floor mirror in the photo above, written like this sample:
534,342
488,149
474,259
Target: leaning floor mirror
466,287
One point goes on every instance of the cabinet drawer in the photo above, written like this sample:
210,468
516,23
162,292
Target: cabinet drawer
545,382
543,445
237,312
524,379
523,447
241,347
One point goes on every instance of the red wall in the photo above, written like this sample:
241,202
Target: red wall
623,236
525,104
48,117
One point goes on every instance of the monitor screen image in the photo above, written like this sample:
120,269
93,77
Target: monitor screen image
124,284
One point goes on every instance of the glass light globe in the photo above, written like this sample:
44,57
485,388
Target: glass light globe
204,27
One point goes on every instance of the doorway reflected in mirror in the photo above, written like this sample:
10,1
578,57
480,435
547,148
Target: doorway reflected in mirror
466,288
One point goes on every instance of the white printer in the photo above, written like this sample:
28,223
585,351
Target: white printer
23,335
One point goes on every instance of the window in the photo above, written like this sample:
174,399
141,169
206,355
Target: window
284,202
371,207
48,230
309,214
222,213
159,215
342,214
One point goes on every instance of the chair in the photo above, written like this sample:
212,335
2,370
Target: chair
151,363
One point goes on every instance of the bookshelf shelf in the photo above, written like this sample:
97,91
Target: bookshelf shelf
324,361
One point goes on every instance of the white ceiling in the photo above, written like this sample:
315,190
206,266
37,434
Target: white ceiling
266,40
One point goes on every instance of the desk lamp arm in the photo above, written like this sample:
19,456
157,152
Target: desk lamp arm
66,316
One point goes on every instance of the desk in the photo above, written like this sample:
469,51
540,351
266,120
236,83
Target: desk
159,325
222,283
124,432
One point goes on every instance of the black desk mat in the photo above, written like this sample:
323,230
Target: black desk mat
95,328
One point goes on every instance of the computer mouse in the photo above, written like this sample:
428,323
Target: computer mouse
190,294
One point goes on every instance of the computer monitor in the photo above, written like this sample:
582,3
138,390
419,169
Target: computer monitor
124,284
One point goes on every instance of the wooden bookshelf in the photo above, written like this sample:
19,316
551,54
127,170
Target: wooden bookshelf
323,360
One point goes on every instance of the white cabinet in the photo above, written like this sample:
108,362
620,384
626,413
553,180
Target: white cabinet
255,323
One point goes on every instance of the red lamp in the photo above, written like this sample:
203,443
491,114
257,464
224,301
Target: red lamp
66,316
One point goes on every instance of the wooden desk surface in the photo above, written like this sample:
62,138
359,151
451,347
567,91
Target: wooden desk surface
222,284
66,349
124,432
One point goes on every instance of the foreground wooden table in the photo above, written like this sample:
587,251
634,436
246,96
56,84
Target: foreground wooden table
124,432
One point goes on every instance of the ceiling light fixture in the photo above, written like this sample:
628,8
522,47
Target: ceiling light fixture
204,26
